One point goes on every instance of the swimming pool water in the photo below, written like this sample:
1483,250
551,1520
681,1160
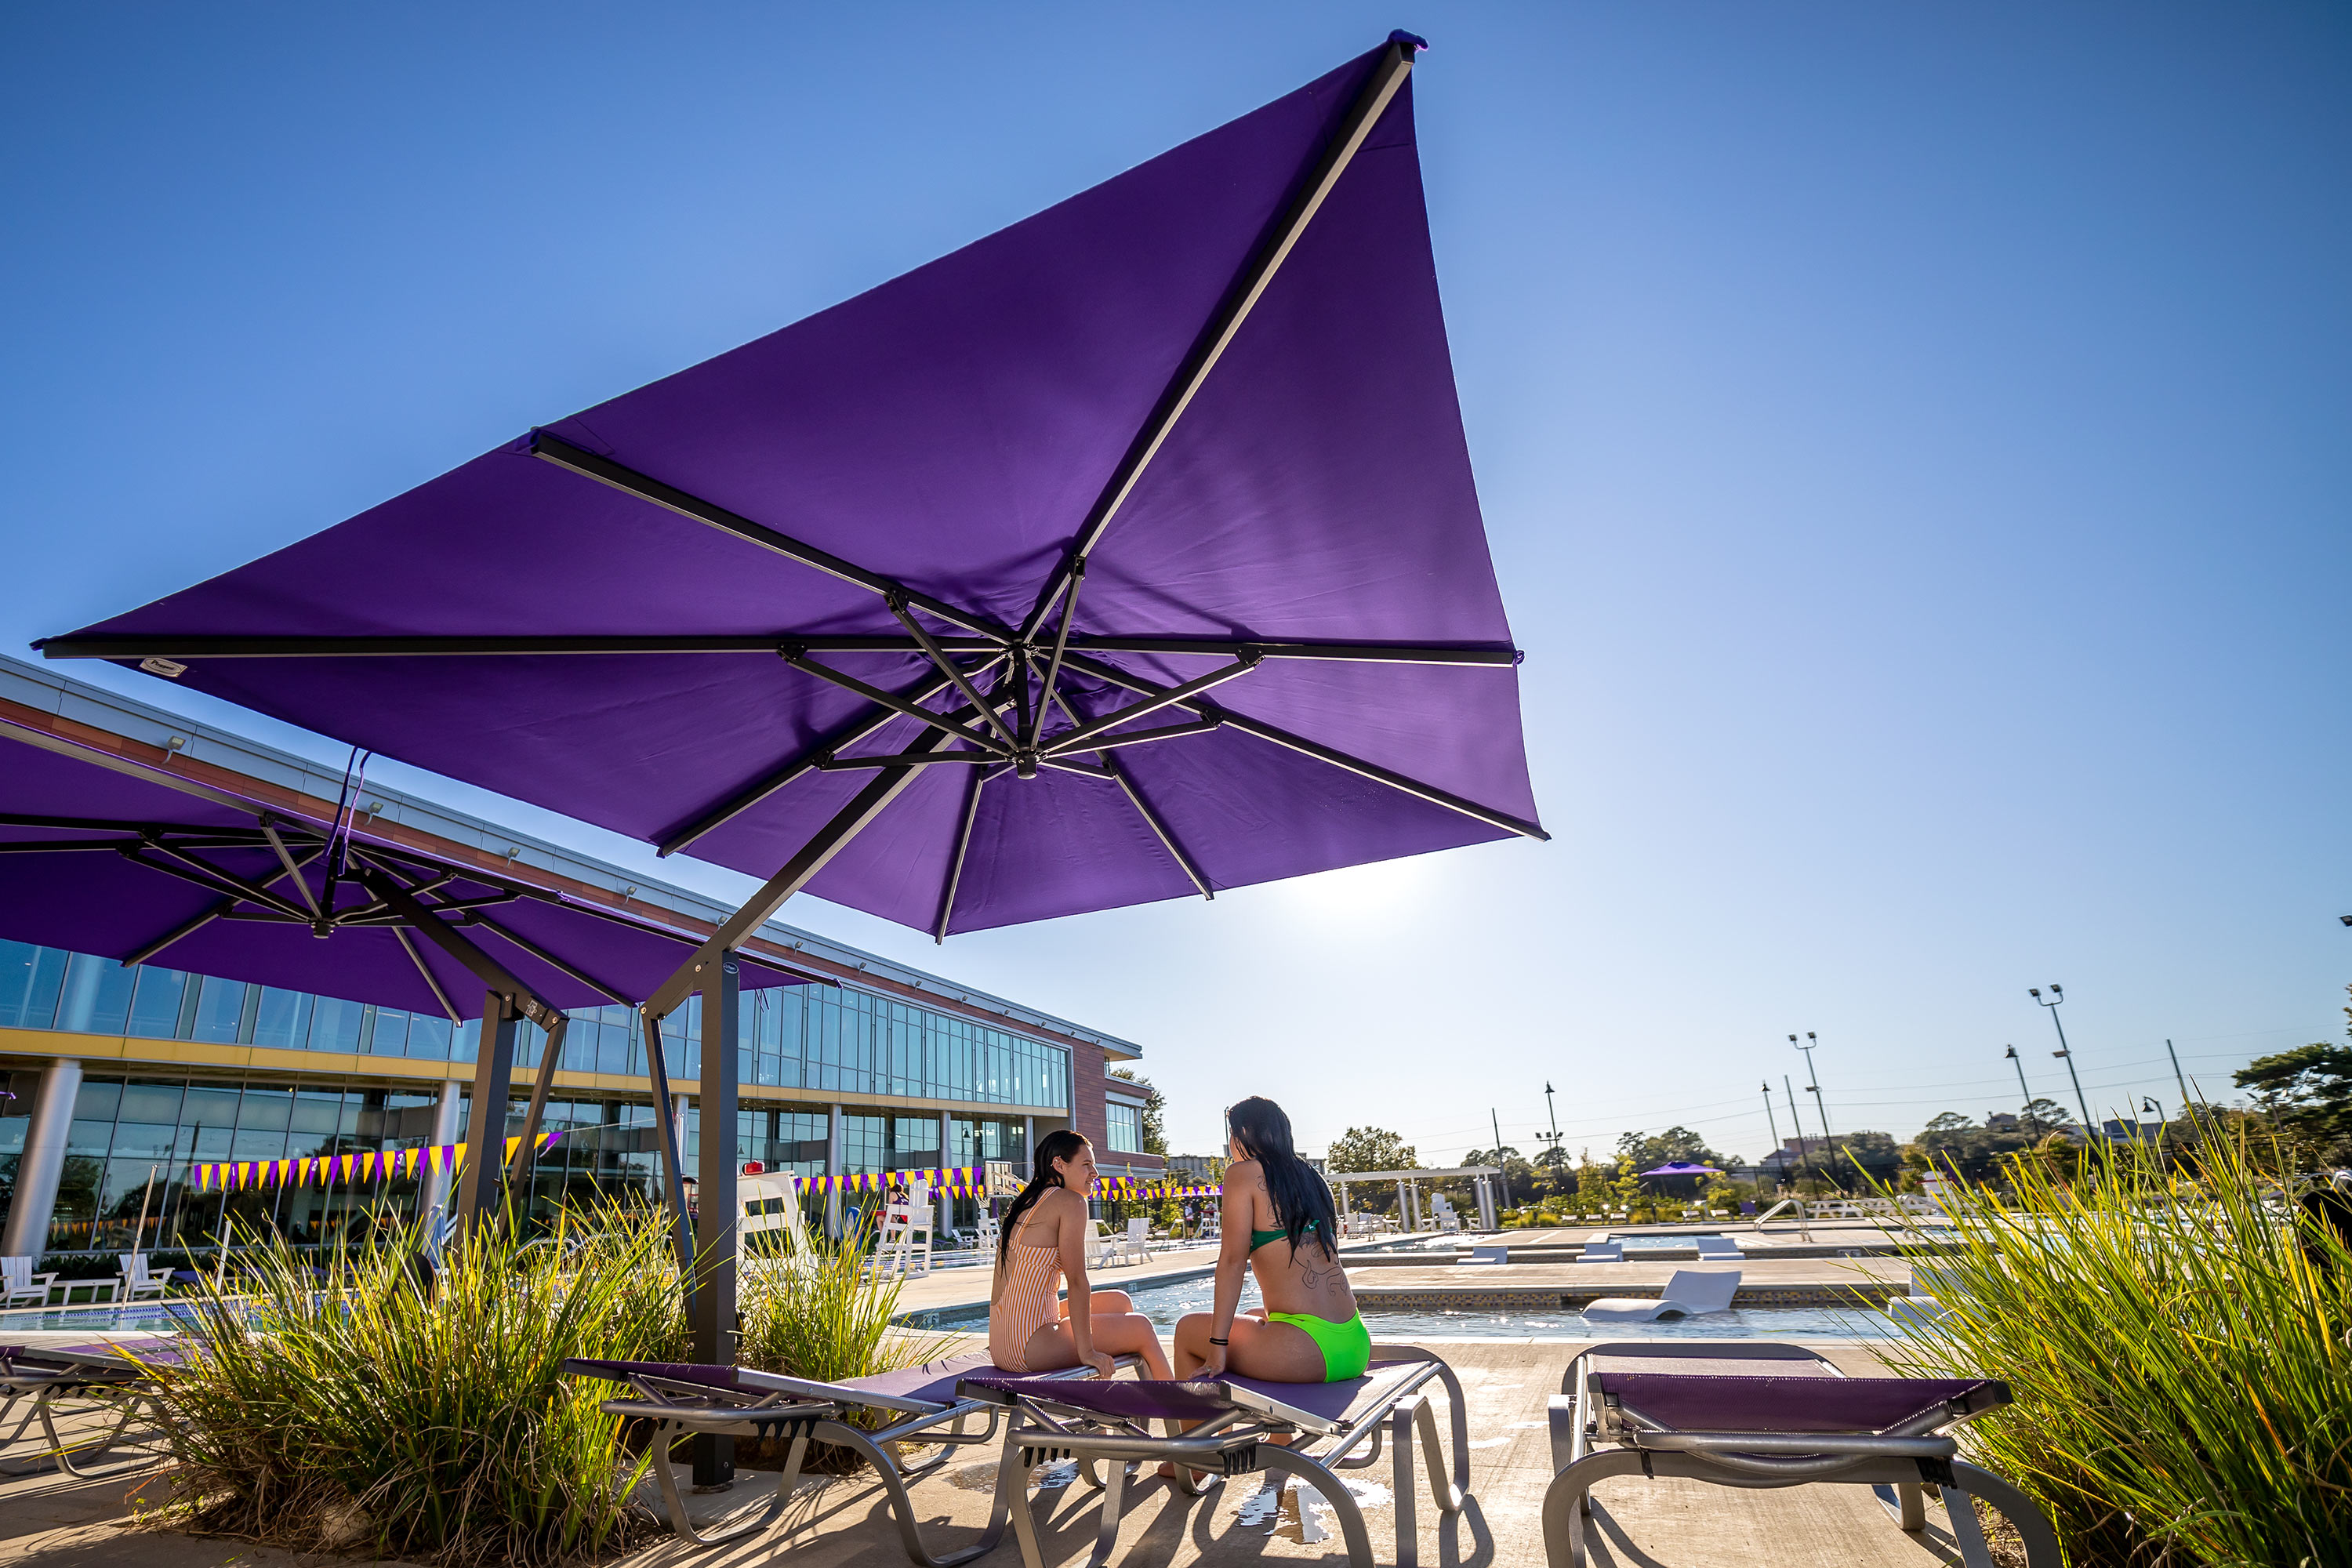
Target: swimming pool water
151,1317
1164,1301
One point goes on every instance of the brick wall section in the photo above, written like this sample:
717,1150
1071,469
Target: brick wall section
1087,1116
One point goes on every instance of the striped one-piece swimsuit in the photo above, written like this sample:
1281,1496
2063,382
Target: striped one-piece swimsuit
1029,1299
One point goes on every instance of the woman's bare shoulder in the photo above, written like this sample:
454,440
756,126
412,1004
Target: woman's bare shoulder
1245,1173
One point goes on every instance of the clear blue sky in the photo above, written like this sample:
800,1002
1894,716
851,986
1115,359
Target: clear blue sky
1914,441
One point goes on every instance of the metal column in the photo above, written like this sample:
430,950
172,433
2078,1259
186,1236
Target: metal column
833,1169
43,1162
946,1220
435,1192
1486,1204
716,1209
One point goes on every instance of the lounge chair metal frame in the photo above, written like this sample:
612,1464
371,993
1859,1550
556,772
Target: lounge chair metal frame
814,1412
1897,1463
1239,1440
47,1380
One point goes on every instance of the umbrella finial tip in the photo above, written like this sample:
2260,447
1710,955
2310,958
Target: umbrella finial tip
1411,40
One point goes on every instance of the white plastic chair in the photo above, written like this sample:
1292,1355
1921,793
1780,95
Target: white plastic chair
1717,1247
1136,1247
21,1284
1102,1251
136,1281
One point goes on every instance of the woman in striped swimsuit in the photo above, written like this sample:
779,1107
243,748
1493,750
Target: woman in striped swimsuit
1043,1242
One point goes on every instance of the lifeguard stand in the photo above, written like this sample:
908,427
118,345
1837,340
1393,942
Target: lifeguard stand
904,1245
770,1202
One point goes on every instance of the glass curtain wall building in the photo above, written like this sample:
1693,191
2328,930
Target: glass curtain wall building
133,1137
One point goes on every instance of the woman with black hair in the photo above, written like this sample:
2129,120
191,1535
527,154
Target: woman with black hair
1278,1221
1043,1242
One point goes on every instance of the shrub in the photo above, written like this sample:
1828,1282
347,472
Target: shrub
345,1402
826,1316
2177,1349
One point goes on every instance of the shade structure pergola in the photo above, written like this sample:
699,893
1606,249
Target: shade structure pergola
1128,553
104,856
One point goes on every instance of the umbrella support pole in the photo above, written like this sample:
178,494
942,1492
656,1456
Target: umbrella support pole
507,1002
478,1180
716,1327
672,1160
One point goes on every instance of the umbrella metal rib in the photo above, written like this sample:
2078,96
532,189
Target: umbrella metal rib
1388,75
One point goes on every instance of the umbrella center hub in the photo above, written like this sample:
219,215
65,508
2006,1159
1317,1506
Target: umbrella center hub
1024,763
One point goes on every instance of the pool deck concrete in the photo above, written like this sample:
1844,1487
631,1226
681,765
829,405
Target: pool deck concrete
61,1523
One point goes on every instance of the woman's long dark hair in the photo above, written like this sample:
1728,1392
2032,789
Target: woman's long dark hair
1302,1200
1043,1179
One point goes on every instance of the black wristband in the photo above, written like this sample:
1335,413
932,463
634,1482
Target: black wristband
1215,1341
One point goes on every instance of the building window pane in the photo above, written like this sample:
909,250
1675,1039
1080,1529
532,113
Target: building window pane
220,1010
335,1025
158,1102
29,981
155,1004
96,996
1126,1127
282,1019
428,1037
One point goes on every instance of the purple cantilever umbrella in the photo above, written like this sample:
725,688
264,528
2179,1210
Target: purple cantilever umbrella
1129,553
103,855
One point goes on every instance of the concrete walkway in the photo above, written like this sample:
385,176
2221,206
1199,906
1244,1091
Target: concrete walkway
61,1523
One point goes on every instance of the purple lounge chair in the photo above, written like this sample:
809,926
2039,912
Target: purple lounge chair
82,1380
1236,1417
1764,1414
924,1404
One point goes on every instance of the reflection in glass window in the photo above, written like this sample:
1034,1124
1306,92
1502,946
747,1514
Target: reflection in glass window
335,1025
96,999
30,978
156,1004
428,1037
1125,1127
220,1010
282,1019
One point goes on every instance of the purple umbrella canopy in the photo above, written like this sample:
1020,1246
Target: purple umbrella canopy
1682,1168
102,855
1126,553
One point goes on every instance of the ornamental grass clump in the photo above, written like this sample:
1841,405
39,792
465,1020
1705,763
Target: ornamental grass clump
825,1315
347,1401
2179,1343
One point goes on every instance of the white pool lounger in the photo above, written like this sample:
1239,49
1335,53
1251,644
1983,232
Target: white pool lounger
1691,1291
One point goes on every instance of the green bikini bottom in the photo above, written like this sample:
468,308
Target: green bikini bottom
1347,1347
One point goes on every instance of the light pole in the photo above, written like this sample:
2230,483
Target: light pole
2024,1095
2150,1102
1549,1139
1797,1121
1496,1119
2057,996
1773,1122
1820,1107
2187,1099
